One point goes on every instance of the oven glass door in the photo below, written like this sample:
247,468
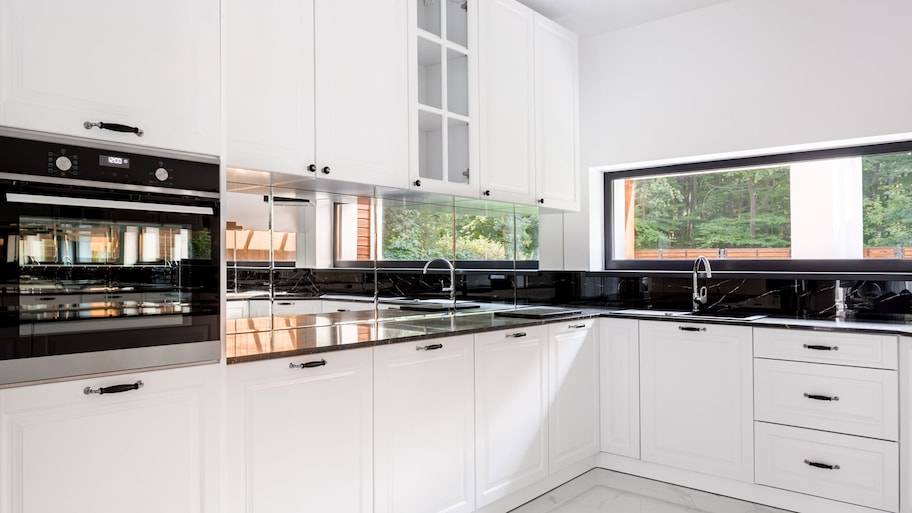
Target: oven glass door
87,270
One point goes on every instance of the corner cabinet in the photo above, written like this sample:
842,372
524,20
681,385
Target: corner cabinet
424,436
151,448
152,66
619,357
324,94
511,411
696,404
528,76
301,432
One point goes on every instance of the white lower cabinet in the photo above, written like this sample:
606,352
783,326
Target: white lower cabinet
147,450
573,413
511,408
619,377
301,437
424,426
695,397
852,469
905,423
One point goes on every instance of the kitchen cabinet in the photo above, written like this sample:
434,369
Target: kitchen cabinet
528,107
151,66
619,374
424,426
301,432
330,306
905,423
237,309
324,94
573,414
150,449
696,403
266,307
511,411
443,91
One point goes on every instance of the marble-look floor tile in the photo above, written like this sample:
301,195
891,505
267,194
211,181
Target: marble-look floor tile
604,491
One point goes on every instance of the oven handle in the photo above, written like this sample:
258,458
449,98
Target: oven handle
15,197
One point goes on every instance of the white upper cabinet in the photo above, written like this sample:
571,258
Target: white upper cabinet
442,90
528,107
324,94
152,66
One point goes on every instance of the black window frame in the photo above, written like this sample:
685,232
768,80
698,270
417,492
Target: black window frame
798,269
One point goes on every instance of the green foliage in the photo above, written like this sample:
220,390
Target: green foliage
887,199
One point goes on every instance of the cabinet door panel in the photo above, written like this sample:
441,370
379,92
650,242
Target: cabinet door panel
424,427
152,65
302,436
620,386
148,450
574,393
511,406
362,91
506,94
696,397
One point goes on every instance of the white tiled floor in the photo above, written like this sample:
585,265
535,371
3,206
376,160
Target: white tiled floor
604,491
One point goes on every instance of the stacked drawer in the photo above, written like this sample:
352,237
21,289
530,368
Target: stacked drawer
826,408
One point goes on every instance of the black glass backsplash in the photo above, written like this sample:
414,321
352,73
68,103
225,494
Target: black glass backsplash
890,300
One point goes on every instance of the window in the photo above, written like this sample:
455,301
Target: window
812,211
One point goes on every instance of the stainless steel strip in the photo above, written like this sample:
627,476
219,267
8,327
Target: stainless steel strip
56,180
36,199
107,145
97,325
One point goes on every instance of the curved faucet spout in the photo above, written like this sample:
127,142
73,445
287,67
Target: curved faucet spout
700,296
452,288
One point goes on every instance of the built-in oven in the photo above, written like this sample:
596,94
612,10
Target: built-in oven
109,258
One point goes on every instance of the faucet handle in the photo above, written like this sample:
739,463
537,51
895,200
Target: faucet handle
446,289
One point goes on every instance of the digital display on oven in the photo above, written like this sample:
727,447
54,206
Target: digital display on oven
114,161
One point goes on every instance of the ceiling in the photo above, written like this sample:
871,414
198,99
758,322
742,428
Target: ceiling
590,17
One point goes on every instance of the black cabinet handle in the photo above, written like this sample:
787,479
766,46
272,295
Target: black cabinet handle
307,365
325,170
518,334
431,347
284,303
690,328
116,127
342,310
312,168
820,348
417,183
487,192
821,465
116,389
576,326
47,298
818,397
541,200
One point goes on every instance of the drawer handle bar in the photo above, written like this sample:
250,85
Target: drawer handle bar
307,365
820,348
822,397
821,465
576,326
430,347
116,389
518,334
116,127
690,328
284,303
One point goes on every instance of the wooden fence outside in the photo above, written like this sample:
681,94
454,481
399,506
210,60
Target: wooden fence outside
757,253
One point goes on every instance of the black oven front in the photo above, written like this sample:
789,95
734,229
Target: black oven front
110,258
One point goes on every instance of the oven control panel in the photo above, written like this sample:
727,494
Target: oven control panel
37,158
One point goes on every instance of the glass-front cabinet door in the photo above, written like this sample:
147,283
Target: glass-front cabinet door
442,86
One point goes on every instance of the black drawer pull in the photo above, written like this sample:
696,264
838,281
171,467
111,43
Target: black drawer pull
430,347
821,465
820,348
46,298
342,310
285,303
307,365
518,334
576,326
117,127
116,389
822,397
690,328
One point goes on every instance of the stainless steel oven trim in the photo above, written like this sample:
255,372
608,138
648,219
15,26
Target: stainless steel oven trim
36,199
97,325
54,180
71,366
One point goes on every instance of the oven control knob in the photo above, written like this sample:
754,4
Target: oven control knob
64,163
161,174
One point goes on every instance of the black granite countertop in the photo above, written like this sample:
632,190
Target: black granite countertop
292,335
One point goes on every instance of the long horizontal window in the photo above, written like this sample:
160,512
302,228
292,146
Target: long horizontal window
810,211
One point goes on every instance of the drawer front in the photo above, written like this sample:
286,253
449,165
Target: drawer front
849,400
856,349
864,471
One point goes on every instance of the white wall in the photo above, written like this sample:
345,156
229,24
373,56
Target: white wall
738,76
